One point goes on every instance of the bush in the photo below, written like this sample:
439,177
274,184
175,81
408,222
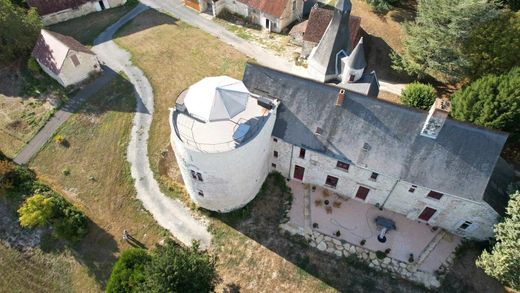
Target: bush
128,272
69,222
382,6
418,95
36,211
491,101
33,66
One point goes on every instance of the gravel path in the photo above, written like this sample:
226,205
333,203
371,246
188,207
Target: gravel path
262,56
47,131
169,213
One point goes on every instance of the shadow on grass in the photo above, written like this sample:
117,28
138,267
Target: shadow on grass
259,221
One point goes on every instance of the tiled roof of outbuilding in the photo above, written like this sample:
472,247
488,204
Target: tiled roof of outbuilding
271,7
45,7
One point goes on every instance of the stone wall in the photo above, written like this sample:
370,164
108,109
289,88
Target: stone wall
390,193
71,74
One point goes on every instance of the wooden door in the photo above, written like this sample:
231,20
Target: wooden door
194,4
362,192
427,213
298,172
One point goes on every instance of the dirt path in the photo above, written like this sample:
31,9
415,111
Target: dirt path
169,213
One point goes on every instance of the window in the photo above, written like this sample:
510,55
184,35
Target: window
275,139
275,154
373,176
435,195
199,176
331,181
302,153
427,213
318,131
412,188
193,174
273,165
465,225
75,60
201,193
362,192
351,77
342,165
294,5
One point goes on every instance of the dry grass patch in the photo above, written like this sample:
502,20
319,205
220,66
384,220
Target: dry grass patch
86,28
99,181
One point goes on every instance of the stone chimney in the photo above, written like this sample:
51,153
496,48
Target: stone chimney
436,118
340,98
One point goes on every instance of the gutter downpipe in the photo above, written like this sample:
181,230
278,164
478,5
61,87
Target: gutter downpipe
391,191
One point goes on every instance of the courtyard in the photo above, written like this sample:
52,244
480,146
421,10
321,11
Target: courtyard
353,221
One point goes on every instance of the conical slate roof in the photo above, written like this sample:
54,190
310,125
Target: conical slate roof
325,58
356,60
216,98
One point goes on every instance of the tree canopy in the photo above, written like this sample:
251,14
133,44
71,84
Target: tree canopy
433,42
19,30
36,211
418,95
491,101
503,262
492,48
128,272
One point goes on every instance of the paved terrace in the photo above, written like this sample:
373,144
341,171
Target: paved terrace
356,221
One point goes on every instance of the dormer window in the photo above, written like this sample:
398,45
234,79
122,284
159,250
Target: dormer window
435,195
318,131
302,153
412,188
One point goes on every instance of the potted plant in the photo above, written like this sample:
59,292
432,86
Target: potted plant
362,242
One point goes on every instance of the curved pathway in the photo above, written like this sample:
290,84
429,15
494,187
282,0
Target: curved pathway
169,213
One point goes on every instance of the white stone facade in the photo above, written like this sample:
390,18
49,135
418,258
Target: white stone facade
229,179
87,8
390,193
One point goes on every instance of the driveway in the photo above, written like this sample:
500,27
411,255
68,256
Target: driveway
262,56
169,213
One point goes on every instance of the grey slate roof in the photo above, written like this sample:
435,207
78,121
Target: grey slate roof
459,162
496,194
367,85
335,39
356,59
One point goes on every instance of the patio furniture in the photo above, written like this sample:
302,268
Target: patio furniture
327,202
318,202
336,204
328,210
386,225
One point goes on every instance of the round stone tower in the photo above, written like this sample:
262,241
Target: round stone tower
221,135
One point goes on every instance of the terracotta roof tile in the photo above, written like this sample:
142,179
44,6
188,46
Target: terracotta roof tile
271,7
45,7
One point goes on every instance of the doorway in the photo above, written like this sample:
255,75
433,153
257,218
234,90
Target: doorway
102,5
362,193
298,172
267,24
427,213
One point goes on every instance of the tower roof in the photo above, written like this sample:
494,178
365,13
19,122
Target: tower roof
356,59
216,98
325,59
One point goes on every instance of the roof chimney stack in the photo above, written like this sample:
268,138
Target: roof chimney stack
436,118
340,98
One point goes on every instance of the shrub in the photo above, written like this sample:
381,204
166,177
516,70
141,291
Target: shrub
36,211
380,254
175,269
382,6
418,95
128,272
69,222
491,101
66,171
33,66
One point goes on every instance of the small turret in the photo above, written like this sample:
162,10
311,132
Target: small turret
354,65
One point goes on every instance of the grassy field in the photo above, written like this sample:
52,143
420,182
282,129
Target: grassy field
86,28
99,181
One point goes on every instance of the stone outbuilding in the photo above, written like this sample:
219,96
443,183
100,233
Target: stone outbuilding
54,11
64,59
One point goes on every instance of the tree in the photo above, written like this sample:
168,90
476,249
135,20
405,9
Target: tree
492,48
69,223
491,101
175,269
432,43
513,4
418,95
128,272
36,211
503,262
19,30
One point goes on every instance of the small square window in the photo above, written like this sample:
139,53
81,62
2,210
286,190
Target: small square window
374,176
318,131
273,165
199,176
302,153
275,154
465,225
193,174
342,165
331,181
275,139
435,195
412,188
201,193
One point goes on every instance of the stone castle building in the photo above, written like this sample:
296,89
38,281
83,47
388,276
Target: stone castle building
423,165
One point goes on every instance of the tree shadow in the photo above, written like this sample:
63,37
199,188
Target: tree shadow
259,221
